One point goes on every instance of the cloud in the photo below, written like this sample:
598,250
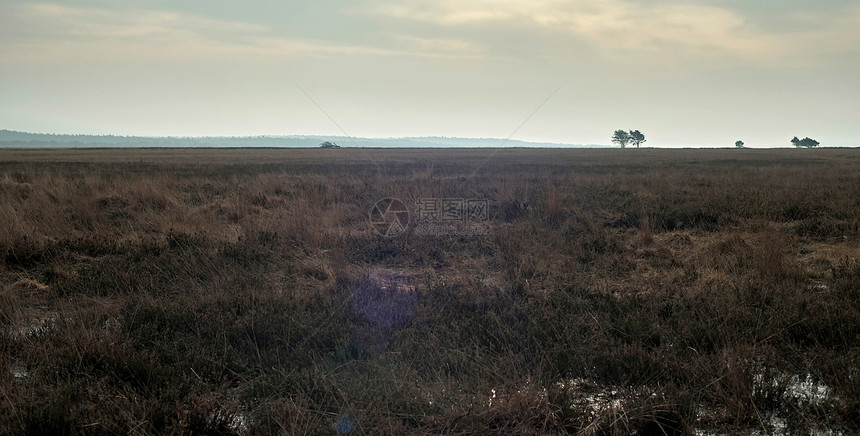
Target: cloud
667,31
56,33
621,31
439,45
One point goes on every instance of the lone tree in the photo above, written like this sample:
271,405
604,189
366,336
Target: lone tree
739,144
329,144
621,137
636,137
805,142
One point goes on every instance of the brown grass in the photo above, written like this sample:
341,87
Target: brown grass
244,291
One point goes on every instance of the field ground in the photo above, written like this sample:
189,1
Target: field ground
219,291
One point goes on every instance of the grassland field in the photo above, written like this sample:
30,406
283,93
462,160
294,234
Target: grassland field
246,291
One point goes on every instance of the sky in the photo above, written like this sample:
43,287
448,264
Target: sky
684,72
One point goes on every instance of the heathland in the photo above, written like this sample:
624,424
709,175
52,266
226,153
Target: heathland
164,291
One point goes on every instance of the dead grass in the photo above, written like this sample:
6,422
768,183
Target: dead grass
616,292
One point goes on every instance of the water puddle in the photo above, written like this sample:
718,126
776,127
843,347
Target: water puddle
38,327
18,370
588,395
237,421
800,389
807,389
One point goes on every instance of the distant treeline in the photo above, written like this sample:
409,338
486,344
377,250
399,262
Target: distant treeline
21,139
9,138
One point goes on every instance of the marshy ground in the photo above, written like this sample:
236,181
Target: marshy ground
162,291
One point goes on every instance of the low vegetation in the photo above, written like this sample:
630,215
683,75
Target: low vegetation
245,291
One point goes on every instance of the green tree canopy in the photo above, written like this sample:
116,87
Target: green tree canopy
621,137
805,142
636,137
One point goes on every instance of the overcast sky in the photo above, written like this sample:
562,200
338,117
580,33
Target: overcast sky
685,72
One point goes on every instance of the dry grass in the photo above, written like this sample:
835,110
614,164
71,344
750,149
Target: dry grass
616,292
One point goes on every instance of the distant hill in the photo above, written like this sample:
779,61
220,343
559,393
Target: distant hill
9,138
